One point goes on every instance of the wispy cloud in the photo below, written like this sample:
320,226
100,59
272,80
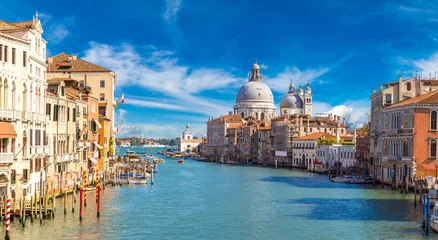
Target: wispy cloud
172,7
427,65
58,29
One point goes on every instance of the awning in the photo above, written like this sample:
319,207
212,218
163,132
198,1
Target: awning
93,160
7,130
97,123
97,145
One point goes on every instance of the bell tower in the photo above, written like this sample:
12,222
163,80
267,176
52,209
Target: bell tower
308,100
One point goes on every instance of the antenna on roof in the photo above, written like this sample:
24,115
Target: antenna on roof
435,74
416,73
430,75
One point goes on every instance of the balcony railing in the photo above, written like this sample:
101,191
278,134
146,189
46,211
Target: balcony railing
47,118
40,149
27,116
34,116
80,144
41,117
6,157
17,114
75,156
46,149
87,144
7,113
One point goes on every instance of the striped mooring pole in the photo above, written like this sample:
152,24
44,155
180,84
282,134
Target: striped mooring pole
85,189
97,185
8,218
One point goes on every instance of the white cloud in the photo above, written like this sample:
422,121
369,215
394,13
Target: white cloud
172,7
353,111
168,130
427,65
57,29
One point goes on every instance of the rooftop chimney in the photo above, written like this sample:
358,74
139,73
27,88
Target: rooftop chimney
400,88
334,118
74,57
339,121
50,60
343,121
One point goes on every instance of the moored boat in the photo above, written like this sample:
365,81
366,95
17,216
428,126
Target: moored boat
434,219
180,161
433,194
343,179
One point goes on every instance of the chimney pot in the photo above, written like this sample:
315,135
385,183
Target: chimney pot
50,60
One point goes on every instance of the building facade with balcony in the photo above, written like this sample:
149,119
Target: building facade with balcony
338,157
382,132
101,80
409,139
304,150
22,88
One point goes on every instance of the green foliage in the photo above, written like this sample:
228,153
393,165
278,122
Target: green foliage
327,141
111,146
195,137
365,125
174,141
119,158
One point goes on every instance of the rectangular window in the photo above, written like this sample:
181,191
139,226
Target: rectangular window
25,174
102,83
74,114
31,137
55,112
85,111
102,97
30,69
13,174
13,55
68,114
24,59
1,52
388,98
48,108
6,53
405,147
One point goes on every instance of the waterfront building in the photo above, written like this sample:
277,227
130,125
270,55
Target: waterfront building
217,141
61,109
286,128
247,147
255,98
363,150
264,144
293,103
24,151
187,143
101,80
104,128
304,150
383,127
339,157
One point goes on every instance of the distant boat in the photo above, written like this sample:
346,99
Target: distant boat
180,161
434,219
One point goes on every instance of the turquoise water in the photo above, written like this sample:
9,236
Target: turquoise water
197,200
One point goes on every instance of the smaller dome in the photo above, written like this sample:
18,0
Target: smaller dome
255,66
291,101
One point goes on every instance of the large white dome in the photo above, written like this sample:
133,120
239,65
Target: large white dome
255,91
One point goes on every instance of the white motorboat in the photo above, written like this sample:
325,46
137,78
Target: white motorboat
434,219
133,181
361,180
343,179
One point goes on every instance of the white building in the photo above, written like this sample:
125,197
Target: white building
24,138
293,103
255,98
187,143
337,155
304,149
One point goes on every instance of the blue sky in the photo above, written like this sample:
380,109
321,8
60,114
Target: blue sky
182,61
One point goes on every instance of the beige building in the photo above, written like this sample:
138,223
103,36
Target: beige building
101,80
217,141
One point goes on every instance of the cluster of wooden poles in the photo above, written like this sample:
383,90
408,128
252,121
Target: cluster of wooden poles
38,207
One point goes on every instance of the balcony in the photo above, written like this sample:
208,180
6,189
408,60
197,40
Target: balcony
75,156
39,150
6,113
34,117
47,118
27,116
17,114
87,144
6,157
80,144
391,158
401,131
41,117
46,150
62,123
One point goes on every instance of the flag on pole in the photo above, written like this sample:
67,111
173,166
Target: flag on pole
122,98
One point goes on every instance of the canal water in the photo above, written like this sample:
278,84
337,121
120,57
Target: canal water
198,200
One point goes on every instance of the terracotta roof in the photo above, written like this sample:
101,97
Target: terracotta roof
61,63
228,118
235,125
25,24
428,98
316,136
50,93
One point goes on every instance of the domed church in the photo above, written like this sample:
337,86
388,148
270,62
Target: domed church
293,103
255,98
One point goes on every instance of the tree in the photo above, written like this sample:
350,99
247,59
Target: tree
119,158
365,125
195,137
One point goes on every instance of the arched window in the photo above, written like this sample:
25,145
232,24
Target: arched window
243,115
262,116
433,120
408,86
433,148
